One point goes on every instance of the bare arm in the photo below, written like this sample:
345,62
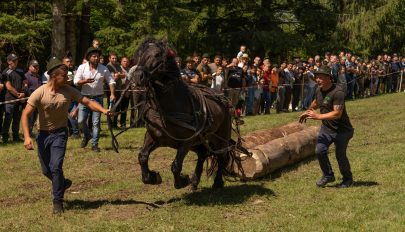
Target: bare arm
13,91
25,126
93,105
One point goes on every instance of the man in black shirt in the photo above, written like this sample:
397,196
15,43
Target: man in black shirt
16,87
336,127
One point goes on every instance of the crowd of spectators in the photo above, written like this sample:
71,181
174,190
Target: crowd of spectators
254,84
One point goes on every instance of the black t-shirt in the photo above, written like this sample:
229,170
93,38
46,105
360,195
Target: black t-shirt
235,76
190,73
16,79
326,100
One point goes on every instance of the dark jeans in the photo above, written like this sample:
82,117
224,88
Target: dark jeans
1,117
12,115
325,138
123,107
51,153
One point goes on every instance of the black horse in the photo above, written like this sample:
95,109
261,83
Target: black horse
181,116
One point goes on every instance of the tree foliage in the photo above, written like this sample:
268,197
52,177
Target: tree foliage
278,28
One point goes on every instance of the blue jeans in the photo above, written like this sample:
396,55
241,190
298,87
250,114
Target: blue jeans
326,137
12,118
73,122
266,101
309,94
84,113
250,99
51,153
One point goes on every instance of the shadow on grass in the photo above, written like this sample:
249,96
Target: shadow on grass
83,204
229,195
359,184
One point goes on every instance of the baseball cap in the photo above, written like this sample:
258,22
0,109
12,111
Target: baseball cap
12,57
34,63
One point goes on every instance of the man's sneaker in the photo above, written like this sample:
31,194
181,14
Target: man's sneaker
95,148
57,207
324,180
85,141
346,183
67,185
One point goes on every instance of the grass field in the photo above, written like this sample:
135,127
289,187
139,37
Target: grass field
108,195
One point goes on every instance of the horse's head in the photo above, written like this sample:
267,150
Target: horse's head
154,63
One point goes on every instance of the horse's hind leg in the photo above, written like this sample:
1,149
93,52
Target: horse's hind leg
148,176
202,156
218,181
180,180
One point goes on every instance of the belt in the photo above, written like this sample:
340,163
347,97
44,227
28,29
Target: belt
48,132
92,97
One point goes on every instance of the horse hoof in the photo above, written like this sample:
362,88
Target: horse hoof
182,181
218,185
153,178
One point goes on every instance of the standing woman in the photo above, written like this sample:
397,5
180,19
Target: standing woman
52,101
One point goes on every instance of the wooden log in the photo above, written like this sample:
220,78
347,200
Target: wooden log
278,153
259,137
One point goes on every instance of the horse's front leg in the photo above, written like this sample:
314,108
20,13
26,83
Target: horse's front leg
180,180
148,176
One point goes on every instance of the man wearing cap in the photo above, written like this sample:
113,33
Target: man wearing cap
52,100
91,76
15,84
336,127
189,74
33,82
204,70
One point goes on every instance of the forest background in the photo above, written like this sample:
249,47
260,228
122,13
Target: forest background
279,29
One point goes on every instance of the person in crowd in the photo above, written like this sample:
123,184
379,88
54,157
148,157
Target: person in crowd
2,97
244,60
90,77
257,61
251,83
203,71
52,101
309,87
178,62
395,72
336,127
197,60
234,82
224,62
117,74
189,74
16,86
123,107
289,85
214,65
218,79
298,73
33,82
242,50
282,83
73,125
266,98
274,78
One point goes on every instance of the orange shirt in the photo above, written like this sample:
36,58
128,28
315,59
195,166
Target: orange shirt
274,81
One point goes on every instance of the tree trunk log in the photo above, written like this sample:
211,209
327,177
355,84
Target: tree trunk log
278,153
58,28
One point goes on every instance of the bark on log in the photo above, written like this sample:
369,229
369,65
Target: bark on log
278,153
259,137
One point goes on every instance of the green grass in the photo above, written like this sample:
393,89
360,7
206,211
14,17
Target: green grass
108,195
